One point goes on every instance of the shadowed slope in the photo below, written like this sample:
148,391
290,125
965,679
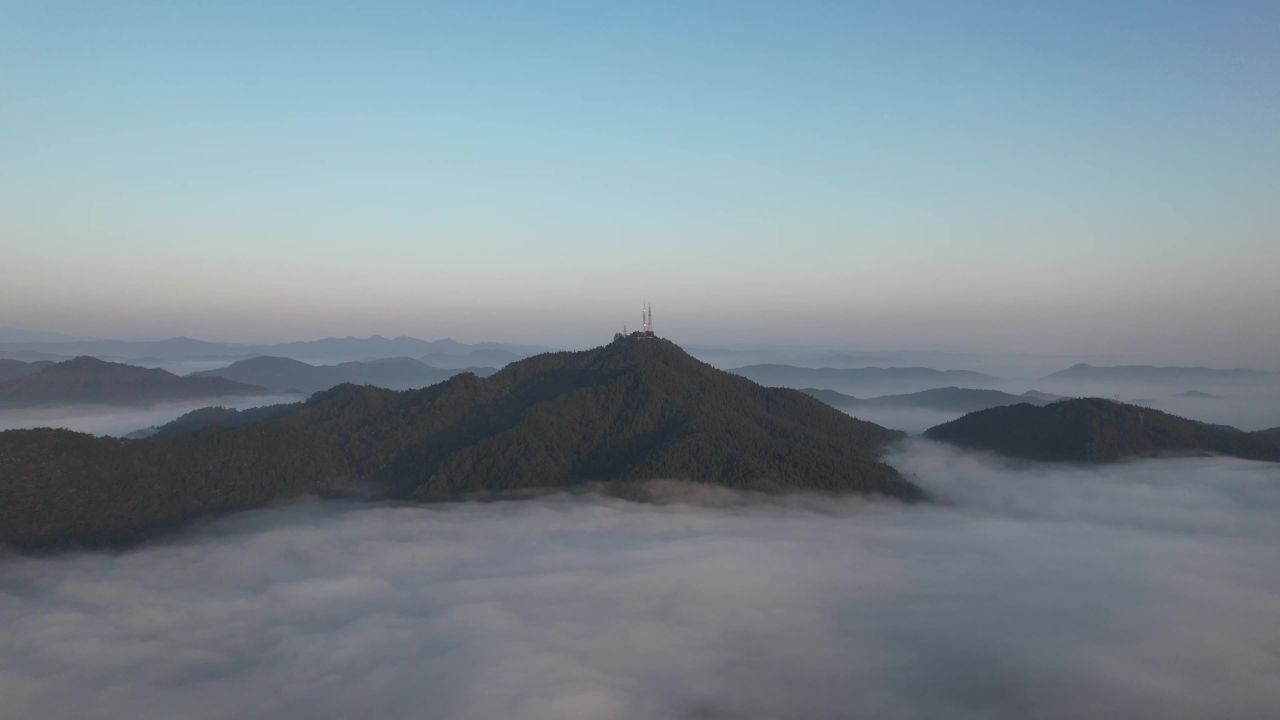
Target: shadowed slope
1096,430
636,409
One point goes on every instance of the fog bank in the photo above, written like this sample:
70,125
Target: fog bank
1142,590
118,420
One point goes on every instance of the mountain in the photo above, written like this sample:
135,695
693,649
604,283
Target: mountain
284,374
87,380
1096,430
793,376
1152,373
10,369
953,399
1271,434
634,410
210,417
1042,396
1198,394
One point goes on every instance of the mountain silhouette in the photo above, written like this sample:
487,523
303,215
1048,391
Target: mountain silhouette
1153,373
88,380
953,399
281,374
634,410
1096,430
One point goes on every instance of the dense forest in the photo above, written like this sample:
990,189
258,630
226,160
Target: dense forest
637,409
1096,430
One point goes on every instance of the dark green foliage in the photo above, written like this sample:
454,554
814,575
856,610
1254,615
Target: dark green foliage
211,417
1096,430
637,409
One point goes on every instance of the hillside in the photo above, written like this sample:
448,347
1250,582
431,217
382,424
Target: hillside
633,410
10,369
793,376
281,374
953,399
1160,374
1271,434
1096,430
87,380
211,417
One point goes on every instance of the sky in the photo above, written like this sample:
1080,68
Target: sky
1091,176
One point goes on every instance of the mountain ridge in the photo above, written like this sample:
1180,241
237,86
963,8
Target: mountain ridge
634,410
1096,430
88,380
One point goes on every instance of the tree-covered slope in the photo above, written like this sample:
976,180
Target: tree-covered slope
1095,430
637,409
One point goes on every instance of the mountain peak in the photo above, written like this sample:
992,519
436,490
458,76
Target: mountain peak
633,410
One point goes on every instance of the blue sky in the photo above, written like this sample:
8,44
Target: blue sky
919,174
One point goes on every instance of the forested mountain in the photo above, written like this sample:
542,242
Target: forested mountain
636,409
87,380
1096,430
211,417
282,374
953,399
1152,373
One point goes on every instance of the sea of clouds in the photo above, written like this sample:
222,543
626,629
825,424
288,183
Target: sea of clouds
1142,590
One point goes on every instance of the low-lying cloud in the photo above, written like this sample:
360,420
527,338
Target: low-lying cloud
1148,589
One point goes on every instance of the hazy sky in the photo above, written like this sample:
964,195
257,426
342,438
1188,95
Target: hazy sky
1083,176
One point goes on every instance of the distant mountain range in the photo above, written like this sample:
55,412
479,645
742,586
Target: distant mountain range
1097,430
285,374
1198,394
634,410
87,380
793,376
1153,373
442,353
954,399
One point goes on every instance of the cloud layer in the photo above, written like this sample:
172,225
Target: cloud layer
1148,589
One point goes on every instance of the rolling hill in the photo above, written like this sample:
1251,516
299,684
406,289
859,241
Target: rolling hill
1097,430
952,399
282,374
87,380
